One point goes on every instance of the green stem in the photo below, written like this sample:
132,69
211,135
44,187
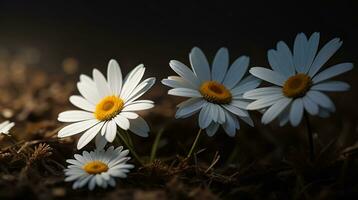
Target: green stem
310,137
194,143
155,145
129,138
130,148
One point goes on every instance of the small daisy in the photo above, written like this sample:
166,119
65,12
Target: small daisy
98,167
6,126
106,104
216,92
299,81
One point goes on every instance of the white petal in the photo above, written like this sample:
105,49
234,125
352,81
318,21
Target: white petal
248,120
332,71
275,110
310,106
240,104
284,117
220,65
89,92
268,75
243,87
129,115
75,116
321,99
189,106
138,105
214,112
331,86
101,83
77,127
299,49
92,183
132,80
324,54
204,117
273,60
296,112
122,122
285,59
184,71
199,64
89,135
177,82
114,75
235,110
265,101
236,71
104,128
139,127
82,103
184,92
3,124
212,129
141,89
221,115
6,126
111,131
311,51
262,92
100,141
229,125
281,60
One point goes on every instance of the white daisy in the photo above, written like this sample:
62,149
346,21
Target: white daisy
6,126
98,167
216,93
299,81
107,104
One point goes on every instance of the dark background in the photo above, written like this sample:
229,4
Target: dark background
153,32
45,33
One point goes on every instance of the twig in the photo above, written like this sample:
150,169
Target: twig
194,143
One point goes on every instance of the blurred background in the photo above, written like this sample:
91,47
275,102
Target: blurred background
153,32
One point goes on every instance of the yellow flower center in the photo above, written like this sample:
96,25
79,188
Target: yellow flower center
108,108
95,167
215,92
297,85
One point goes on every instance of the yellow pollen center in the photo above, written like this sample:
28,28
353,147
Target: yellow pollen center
215,92
108,108
95,167
297,85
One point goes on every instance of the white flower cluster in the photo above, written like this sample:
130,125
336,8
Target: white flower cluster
222,94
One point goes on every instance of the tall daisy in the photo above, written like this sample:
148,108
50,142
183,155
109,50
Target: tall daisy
106,104
215,92
98,167
299,82
6,126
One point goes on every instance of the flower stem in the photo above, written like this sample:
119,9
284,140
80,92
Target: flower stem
130,148
310,137
194,143
155,145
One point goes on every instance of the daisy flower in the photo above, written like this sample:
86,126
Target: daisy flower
98,167
299,81
6,126
106,104
216,92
